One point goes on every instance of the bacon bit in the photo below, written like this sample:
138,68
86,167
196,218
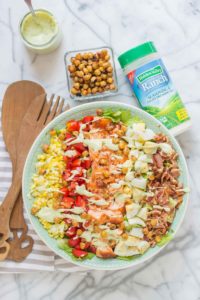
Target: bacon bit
158,161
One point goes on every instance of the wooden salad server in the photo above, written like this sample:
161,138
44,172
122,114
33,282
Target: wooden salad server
37,116
18,97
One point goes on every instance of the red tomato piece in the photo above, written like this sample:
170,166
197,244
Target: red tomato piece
88,119
74,241
67,202
76,163
68,136
66,174
79,147
64,190
92,249
67,221
80,201
71,232
79,253
86,164
73,126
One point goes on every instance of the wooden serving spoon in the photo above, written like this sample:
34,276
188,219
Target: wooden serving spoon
37,116
18,97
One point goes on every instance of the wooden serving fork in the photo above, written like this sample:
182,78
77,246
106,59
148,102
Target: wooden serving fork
37,117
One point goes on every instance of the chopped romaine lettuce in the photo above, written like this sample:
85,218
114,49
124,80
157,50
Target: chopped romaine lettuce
165,239
124,116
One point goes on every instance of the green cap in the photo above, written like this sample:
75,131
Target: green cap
136,53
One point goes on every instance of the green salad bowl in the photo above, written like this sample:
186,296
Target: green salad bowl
29,169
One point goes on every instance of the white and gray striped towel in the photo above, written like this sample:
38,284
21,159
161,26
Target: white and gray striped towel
41,258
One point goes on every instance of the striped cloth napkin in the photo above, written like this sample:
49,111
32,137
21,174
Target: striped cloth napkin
41,258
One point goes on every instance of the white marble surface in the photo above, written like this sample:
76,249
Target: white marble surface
174,27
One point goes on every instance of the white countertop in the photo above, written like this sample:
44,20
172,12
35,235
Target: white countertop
174,27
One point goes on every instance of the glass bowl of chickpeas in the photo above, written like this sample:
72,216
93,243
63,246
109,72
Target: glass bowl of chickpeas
91,73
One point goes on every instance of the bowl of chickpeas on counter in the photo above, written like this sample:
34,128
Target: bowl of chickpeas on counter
91,73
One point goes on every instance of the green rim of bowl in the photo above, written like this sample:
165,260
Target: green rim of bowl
59,122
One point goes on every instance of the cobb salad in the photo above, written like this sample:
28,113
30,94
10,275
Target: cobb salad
107,185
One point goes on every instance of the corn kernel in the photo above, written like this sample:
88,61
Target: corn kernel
79,232
125,236
104,234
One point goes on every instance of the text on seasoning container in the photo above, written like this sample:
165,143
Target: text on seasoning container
153,87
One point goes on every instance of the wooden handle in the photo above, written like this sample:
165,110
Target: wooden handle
17,251
4,250
7,207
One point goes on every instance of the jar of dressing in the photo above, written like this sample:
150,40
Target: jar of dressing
40,33
153,87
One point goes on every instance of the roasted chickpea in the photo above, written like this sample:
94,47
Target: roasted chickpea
71,68
85,70
109,69
94,90
89,68
73,91
110,80
107,57
84,92
103,76
81,66
77,62
77,85
85,55
90,55
80,74
85,86
93,79
97,72
78,56
87,77
102,83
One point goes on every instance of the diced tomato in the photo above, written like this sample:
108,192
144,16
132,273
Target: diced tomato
80,201
66,174
79,147
64,190
80,181
65,158
71,232
68,136
88,119
76,163
86,164
86,224
67,202
67,221
72,188
73,125
86,247
77,247
92,249
74,241
79,253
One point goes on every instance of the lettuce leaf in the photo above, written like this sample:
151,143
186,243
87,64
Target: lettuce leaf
124,116
128,258
62,244
166,239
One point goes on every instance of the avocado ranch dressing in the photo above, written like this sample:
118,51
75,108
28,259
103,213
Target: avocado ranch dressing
41,32
153,87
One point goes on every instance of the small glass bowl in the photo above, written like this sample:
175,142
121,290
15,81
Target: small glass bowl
67,59
47,47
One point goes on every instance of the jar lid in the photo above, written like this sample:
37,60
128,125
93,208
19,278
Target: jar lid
136,53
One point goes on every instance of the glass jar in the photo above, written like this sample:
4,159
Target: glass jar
40,33
153,87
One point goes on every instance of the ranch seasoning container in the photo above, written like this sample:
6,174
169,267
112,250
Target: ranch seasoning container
153,87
